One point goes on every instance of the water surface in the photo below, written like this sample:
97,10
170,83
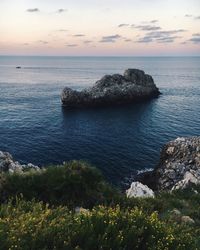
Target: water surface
120,141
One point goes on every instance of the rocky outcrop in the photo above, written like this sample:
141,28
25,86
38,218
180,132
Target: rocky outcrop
189,177
187,220
137,189
81,210
134,85
179,164
7,164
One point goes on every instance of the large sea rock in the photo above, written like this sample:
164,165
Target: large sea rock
133,86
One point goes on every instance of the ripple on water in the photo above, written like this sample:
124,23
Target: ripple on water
120,141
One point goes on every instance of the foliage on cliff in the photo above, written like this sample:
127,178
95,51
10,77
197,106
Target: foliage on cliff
32,225
73,184
37,211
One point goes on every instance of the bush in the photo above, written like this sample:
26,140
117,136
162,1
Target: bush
73,184
119,223
33,225
78,184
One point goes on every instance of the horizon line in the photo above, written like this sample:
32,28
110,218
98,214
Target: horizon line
99,56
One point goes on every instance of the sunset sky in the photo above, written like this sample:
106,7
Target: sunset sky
100,27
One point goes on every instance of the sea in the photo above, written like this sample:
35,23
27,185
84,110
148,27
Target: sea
121,141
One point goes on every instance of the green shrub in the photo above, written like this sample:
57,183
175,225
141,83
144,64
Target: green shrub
33,225
119,223
77,184
74,184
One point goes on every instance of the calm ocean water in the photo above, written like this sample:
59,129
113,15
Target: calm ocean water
120,141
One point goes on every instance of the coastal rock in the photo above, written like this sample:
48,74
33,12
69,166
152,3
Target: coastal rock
189,177
137,189
7,164
176,212
187,220
179,164
113,89
81,210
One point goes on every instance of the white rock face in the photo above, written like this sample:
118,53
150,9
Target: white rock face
7,164
137,189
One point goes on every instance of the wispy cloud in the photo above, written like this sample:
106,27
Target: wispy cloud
110,39
145,39
43,42
185,42
62,30
127,40
188,15
72,45
33,10
154,21
123,25
157,34
79,35
146,27
87,41
61,10
194,17
169,39
195,40
168,36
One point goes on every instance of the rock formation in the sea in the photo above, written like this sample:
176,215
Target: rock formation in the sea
179,165
137,189
7,164
133,86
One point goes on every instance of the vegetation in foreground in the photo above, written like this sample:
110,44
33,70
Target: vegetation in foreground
37,211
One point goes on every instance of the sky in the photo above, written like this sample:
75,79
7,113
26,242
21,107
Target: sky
100,27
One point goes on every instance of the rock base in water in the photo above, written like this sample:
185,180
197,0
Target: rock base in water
115,89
